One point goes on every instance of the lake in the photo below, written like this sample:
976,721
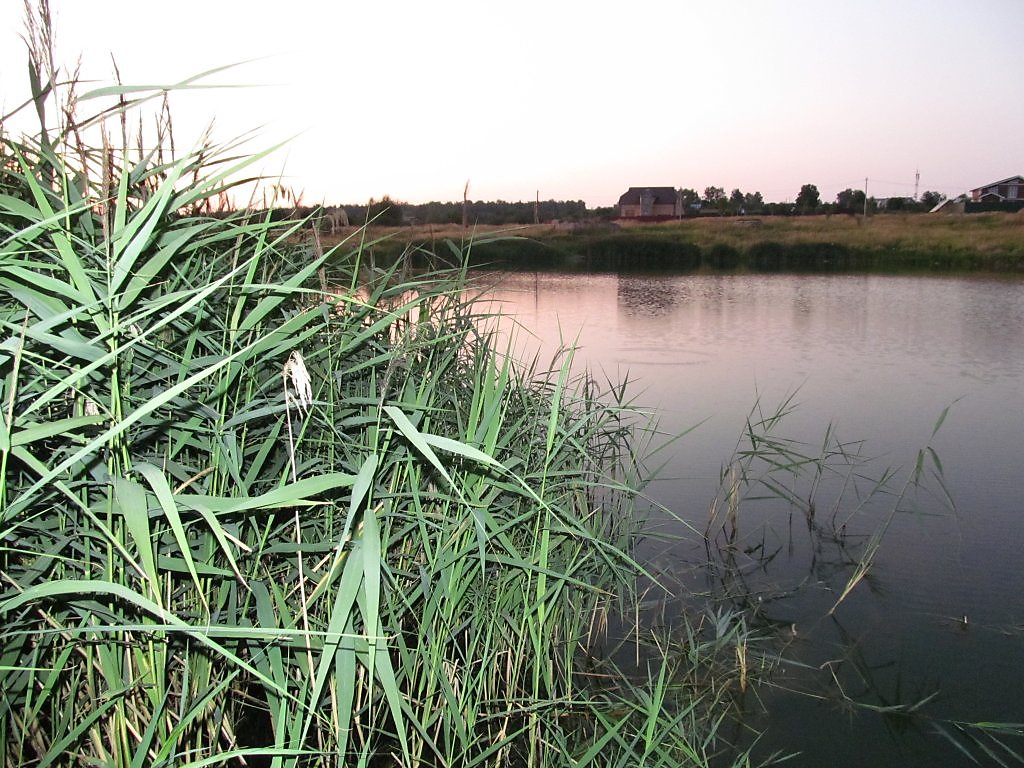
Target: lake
875,362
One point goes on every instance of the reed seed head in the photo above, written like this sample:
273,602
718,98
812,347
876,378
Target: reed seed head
296,372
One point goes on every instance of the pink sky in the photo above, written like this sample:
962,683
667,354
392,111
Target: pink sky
577,100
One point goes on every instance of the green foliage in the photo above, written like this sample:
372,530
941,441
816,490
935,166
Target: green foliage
850,201
930,199
635,250
690,197
736,199
480,213
809,199
721,256
712,195
263,501
386,213
753,202
846,502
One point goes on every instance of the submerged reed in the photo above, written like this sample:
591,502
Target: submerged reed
812,519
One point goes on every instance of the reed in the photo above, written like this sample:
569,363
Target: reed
250,518
832,505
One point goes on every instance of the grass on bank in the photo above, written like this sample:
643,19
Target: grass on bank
988,242
249,518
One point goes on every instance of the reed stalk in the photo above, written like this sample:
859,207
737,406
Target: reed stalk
246,519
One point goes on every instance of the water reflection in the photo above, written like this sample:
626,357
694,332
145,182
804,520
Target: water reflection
871,358
649,298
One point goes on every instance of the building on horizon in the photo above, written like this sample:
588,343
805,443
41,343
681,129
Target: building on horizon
651,203
1006,190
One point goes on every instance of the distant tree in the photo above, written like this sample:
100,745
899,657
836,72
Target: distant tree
850,201
930,199
779,209
691,199
753,202
498,211
808,199
386,213
736,200
713,194
439,213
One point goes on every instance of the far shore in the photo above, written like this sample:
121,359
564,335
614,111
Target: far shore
992,242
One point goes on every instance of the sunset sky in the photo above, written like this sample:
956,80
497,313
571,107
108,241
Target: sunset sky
575,100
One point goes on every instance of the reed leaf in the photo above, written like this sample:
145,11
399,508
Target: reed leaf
198,568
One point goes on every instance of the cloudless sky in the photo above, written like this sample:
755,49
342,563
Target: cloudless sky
576,100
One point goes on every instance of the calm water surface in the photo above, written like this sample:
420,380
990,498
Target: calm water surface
880,359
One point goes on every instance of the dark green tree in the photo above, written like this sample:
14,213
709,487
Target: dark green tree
713,194
930,199
808,199
850,201
691,200
386,213
736,200
753,202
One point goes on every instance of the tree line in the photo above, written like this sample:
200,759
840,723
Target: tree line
392,213
853,201
714,202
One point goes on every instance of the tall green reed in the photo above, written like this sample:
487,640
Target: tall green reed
250,518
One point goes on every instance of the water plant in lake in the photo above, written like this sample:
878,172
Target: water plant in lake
811,520
268,504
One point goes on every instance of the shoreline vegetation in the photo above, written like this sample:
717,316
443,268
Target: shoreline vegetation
883,243
265,502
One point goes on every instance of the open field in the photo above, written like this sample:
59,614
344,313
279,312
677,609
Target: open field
884,242
986,233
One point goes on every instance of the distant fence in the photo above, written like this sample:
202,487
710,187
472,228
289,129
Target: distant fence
1006,206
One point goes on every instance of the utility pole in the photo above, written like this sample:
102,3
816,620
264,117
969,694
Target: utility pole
865,197
536,209
917,181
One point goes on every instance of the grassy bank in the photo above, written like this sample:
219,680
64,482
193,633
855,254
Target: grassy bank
881,243
265,503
